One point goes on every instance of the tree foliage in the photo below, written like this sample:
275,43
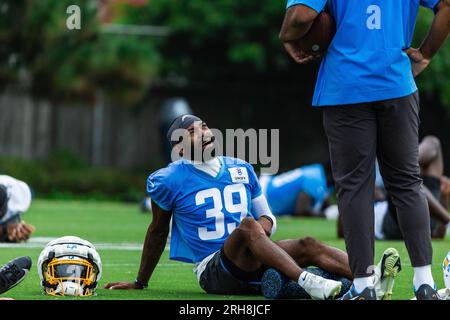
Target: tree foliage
217,40
67,63
210,41
229,40
436,78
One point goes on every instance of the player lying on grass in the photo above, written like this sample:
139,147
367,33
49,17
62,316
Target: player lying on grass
303,192
222,223
15,199
437,191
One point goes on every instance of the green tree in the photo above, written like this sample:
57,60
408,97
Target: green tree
436,78
230,40
210,41
65,63
217,40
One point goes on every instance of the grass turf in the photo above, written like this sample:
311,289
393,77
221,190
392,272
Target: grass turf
117,223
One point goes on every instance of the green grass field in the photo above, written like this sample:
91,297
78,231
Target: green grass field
118,231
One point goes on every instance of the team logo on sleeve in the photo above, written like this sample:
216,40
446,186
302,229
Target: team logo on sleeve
239,175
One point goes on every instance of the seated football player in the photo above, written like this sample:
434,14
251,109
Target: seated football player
301,192
222,223
15,200
437,190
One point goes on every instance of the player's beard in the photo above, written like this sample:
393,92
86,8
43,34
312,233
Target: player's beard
199,153
209,151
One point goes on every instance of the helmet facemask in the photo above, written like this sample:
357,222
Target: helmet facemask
70,276
69,266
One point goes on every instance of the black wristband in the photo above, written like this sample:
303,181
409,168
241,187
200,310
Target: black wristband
268,218
140,284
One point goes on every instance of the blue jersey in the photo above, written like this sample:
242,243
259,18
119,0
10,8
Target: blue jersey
378,178
366,61
205,209
282,190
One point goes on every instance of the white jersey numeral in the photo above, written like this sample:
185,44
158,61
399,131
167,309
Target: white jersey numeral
232,207
374,20
217,213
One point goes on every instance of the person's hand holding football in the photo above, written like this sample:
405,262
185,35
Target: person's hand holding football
299,56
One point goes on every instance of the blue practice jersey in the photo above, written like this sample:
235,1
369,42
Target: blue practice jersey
205,209
282,190
378,178
366,61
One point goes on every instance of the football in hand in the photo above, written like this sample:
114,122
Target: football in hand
320,35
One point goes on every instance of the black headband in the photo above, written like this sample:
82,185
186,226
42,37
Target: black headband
181,122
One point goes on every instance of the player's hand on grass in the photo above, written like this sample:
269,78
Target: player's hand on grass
418,61
18,232
122,286
26,229
298,54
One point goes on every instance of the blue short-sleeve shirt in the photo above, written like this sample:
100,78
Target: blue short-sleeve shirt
366,61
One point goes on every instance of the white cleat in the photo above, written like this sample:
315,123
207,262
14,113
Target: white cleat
444,294
320,288
385,273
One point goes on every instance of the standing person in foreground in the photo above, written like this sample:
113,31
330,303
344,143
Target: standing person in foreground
371,109
222,223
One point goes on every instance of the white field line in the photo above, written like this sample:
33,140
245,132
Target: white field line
40,243
170,265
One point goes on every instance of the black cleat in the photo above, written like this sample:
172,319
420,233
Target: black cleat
367,294
426,292
12,273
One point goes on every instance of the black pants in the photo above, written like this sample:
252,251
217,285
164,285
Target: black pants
357,134
221,276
